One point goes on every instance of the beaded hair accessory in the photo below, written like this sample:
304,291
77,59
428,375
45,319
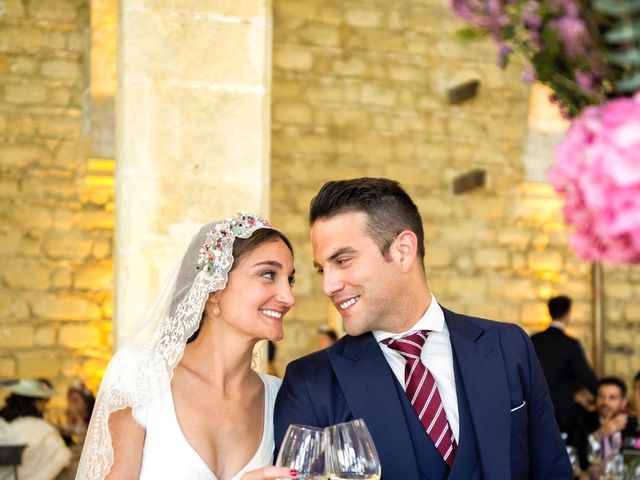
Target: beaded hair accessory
241,225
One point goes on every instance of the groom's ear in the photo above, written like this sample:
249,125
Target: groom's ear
405,249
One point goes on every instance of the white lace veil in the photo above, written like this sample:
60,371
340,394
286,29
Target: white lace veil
155,345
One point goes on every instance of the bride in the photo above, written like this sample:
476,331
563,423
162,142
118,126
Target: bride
180,400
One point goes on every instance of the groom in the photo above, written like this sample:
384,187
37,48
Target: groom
443,395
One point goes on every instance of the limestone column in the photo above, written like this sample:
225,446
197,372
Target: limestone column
192,131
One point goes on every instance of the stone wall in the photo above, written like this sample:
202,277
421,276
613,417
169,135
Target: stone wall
360,89
56,209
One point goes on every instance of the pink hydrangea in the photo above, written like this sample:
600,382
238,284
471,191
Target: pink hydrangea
597,170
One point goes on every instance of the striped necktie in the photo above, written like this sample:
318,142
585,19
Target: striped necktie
423,393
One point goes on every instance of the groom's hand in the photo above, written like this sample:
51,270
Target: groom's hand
270,473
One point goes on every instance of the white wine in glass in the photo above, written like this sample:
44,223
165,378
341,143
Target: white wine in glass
303,448
351,453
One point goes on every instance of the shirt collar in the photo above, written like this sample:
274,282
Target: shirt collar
433,319
558,325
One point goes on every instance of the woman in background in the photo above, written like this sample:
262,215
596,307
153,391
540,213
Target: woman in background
21,422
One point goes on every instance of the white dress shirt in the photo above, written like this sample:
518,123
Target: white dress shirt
436,355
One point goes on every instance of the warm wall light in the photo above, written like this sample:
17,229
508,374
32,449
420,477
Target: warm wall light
544,116
100,172
104,33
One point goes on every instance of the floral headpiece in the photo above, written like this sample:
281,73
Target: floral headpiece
222,234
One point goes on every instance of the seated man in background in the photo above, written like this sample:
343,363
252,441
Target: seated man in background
610,424
327,336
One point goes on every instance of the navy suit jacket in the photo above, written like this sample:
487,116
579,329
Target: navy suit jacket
507,396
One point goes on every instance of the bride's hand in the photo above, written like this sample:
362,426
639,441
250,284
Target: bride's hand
270,473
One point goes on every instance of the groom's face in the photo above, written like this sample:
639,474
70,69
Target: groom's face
359,281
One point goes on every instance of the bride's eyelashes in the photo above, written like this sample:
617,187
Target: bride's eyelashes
268,274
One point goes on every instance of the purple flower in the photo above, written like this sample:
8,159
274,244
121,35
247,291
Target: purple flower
530,16
585,80
503,55
529,75
574,35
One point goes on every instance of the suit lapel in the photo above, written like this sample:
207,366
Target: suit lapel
484,377
369,388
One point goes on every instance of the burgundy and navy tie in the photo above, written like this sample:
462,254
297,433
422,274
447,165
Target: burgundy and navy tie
423,393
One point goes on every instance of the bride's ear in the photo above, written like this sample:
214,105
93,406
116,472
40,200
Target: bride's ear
213,304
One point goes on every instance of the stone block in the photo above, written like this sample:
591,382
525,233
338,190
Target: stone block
292,112
77,41
95,220
53,10
71,245
620,291
438,256
59,96
7,368
45,337
632,312
287,10
25,94
61,69
16,336
65,307
79,336
379,95
509,288
321,35
292,57
545,261
63,127
23,37
71,367
20,156
488,208
26,274
22,65
9,241
96,276
491,258
61,278
363,17
38,364
516,237
534,313
350,67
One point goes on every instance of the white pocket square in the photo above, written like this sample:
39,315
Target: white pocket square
524,402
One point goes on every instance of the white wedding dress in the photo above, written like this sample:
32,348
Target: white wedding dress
168,454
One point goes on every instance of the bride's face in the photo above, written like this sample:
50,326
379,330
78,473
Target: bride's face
259,293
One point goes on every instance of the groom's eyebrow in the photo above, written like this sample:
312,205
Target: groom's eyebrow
341,251
336,254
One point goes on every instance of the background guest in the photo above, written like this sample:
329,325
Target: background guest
21,422
611,424
272,368
327,336
635,395
564,364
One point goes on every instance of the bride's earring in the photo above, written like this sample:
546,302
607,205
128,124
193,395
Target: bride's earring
216,309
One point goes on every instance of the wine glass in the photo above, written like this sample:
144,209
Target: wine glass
351,454
303,448
575,461
594,452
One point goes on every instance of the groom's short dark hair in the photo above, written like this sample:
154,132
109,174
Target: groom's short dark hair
389,208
